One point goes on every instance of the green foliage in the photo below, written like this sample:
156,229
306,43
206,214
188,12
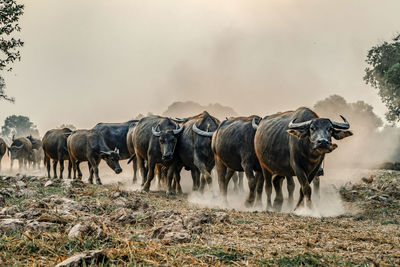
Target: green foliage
19,126
10,13
383,73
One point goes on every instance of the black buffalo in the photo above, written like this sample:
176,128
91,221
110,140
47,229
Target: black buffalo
90,146
37,151
154,140
54,144
294,143
115,135
20,149
3,149
194,150
233,147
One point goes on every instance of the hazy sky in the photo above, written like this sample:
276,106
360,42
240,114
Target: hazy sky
108,60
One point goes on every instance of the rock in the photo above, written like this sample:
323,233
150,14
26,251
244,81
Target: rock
53,218
78,230
19,177
26,193
176,237
199,218
10,225
48,183
222,217
88,258
348,186
41,226
20,184
9,210
30,214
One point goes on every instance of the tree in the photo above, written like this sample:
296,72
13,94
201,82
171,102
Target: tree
360,114
10,13
383,74
19,126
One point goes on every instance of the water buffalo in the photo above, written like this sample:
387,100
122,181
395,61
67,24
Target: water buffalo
37,151
3,149
194,149
90,146
294,143
233,148
20,149
154,140
54,144
115,136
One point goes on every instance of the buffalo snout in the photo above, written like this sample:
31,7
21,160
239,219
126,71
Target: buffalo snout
118,170
167,156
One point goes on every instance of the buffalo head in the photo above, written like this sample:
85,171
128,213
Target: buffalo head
167,139
112,159
16,151
320,132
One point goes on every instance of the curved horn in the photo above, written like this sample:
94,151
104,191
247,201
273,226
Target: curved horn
178,131
17,147
180,120
155,132
341,125
254,124
201,132
300,125
108,153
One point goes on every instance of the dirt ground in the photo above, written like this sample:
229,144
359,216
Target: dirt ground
46,221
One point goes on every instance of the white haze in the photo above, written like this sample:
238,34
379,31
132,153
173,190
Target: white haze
87,61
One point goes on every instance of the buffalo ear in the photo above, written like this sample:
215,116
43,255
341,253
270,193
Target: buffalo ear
297,133
340,134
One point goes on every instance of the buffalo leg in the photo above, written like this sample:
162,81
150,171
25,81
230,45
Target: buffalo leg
150,176
142,168
74,166
196,179
95,167
20,164
47,163
69,168
235,179
260,187
268,187
134,167
240,181
277,182
55,168
252,183
79,170
305,190
170,177
90,166
221,171
177,178
205,177
316,187
61,168
290,189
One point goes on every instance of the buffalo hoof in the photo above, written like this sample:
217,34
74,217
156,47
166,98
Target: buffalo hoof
90,181
170,193
248,204
98,182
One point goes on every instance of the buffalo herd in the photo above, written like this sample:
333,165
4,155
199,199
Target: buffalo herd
267,150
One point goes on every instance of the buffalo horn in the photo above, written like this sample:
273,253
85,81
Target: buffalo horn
201,132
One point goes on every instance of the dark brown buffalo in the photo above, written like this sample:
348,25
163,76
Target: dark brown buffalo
54,144
90,146
294,143
3,149
154,140
20,149
233,147
194,150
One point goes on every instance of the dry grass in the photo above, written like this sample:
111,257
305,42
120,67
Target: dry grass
247,238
